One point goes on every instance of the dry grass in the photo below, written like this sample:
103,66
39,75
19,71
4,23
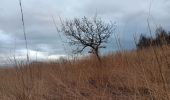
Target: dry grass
133,75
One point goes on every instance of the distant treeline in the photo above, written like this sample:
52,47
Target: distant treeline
162,38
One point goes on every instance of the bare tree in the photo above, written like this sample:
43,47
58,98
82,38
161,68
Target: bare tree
87,33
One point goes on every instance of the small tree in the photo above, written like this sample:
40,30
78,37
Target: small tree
143,42
162,38
87,33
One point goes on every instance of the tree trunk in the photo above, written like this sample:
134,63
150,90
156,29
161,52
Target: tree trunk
96,53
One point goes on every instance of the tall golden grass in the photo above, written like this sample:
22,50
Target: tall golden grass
129,75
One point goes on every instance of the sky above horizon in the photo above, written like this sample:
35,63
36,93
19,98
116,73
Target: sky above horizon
44,41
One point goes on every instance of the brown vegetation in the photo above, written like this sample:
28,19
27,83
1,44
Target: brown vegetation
132,75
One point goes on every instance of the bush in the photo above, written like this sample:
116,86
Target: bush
162,38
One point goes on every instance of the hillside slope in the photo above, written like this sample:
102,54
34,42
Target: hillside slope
131,75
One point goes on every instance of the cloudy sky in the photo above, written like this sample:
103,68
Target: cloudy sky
43,40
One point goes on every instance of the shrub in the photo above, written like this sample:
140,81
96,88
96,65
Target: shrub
162,38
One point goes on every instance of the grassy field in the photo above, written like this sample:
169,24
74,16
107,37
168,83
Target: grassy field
129,75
